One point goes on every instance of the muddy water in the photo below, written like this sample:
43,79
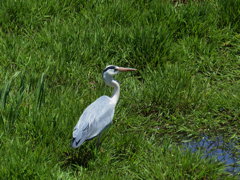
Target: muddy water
225,151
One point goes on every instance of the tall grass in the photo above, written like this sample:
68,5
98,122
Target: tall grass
51,57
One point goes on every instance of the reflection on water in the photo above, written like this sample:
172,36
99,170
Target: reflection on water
225,151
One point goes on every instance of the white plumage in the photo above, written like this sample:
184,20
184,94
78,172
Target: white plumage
94,120
98,115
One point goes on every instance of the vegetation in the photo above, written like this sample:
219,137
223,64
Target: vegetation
51,57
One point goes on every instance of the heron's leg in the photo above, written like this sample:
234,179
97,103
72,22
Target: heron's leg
98,143
98,140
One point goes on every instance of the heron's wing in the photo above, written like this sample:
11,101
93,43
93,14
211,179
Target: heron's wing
94,119
104,116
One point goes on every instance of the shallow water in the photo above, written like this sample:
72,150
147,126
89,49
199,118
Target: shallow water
225,151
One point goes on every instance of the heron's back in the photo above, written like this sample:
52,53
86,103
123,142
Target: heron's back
95,118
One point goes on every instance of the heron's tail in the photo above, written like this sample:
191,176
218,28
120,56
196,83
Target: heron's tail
77,142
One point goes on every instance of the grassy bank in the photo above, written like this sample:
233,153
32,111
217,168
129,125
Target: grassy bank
52,54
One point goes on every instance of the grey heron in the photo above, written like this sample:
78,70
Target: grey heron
98,115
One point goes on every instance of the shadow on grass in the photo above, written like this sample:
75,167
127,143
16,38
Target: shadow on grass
78,157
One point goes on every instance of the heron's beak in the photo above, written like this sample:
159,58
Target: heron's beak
122,69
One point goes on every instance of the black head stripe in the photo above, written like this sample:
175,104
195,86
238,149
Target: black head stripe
109,67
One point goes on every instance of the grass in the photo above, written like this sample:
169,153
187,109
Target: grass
187,84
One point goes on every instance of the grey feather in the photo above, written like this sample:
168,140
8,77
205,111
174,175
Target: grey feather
95,118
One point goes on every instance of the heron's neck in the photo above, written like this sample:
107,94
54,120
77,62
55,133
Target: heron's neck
116,91
113,83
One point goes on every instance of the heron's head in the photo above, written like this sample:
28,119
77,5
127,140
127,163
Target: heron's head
111,70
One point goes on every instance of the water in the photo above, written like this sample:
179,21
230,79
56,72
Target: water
225,151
